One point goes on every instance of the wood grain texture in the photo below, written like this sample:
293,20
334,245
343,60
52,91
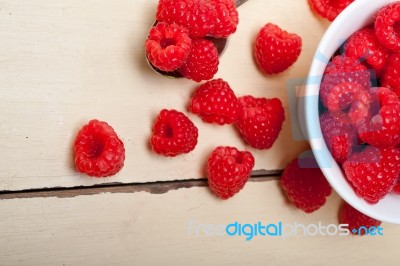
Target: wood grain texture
147,229
63,63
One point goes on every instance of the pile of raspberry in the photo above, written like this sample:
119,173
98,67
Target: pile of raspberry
181,41
359,118
360,106
360,122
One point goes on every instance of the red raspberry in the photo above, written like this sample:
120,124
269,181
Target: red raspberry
339,137
199,16
215,102
343,69
348,101
173,134
98,150
275,49
382,128
386,26
306,188
167,46
260,120
355,219
202,62
227,18
391,77
329,9
228,170
364,45
373,172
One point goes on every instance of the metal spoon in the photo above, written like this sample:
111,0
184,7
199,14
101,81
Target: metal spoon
220,44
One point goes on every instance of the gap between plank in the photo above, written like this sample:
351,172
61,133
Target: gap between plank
158,187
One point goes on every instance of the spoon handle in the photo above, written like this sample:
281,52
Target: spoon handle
240,2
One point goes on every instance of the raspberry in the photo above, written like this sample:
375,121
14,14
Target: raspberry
275,49
386,26
356,220
329,9
173,134
215,102
383,128
228,170
348,101
167,46
98,150
227,18
199,16
391,77
339,137
306,188
202,62
260,120
373,172
364,46
343,69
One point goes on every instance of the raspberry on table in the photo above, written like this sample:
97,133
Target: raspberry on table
227,18
343,69
373,172
306,188
173,134
329,9
228,170
202,62
340,137
198,16
387,28
391,77
167,46
382,127
260,120
215,102
348,101
364,46
98,150
275,49
356,220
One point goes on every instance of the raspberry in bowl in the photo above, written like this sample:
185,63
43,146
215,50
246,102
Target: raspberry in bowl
352,107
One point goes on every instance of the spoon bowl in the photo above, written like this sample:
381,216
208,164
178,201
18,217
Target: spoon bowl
220,44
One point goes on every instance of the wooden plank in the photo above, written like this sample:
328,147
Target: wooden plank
167,229
63,63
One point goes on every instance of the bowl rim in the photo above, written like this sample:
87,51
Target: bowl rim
327,164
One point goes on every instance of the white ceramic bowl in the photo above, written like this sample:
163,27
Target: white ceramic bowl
354,17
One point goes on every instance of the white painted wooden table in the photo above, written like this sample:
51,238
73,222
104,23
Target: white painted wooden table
63,62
